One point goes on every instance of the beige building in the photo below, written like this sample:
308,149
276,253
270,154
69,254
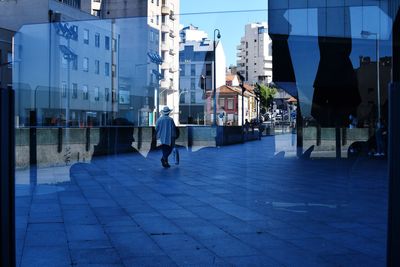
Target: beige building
255,54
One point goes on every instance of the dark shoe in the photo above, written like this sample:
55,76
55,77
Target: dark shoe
164,163
167,165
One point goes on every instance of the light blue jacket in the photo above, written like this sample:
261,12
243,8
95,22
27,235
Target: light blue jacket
166,132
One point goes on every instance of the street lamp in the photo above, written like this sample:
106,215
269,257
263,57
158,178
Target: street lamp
215,76
366,34
257,92
156,59
241,77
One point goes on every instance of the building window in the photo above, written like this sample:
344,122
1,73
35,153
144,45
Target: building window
96,94
75,63
192,97
221,102
208,69
230,103
97,40
107,43
107,94
85,92
114,45
97,67
182,97
86,36
74,90
193,84
158,19
64,61
96,12
107,69
85,64
193,70
158,2
63,89
151,36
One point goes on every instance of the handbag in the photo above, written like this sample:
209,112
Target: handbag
175,154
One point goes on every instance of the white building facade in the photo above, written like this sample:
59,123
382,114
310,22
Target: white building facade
255,54
196,75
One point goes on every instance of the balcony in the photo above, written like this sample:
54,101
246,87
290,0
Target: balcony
165,66
172,34
164,46
172,15
165,28
165,10
164,83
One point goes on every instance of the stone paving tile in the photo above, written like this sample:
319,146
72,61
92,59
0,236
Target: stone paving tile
229,247
131,245
95,255
46,256
176,242
178,213
156,261
45,238
354,260
85,232
258,260
201,257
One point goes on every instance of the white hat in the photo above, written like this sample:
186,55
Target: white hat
166,110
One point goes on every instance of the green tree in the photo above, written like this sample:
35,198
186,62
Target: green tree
266,95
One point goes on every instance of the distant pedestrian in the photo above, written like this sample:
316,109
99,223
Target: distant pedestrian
246,125
379,132
166,133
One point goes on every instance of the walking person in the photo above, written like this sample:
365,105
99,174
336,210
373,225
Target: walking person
166,133
379,132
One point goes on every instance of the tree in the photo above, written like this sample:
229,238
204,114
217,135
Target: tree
266,95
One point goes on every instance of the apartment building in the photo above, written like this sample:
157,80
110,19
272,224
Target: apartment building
149,29
196,58
255,54
5,57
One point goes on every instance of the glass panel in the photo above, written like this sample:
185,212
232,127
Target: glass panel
280,157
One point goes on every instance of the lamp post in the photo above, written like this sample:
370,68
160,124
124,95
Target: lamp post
257,92
215,76
366,34
241,77
156,59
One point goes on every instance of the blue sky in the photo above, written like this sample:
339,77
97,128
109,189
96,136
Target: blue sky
230,24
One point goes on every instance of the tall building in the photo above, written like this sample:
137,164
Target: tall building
196,58
255,54
5,57
150,26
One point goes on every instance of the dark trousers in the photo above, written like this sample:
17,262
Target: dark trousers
166,150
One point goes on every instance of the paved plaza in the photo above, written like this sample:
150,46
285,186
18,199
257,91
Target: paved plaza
240,205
